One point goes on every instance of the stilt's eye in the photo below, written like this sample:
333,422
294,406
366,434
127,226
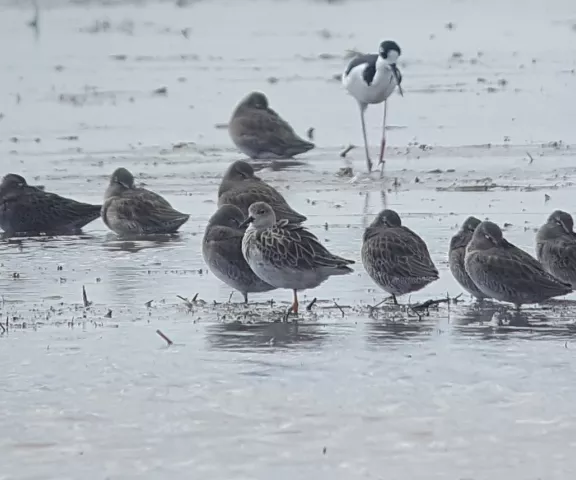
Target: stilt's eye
488,237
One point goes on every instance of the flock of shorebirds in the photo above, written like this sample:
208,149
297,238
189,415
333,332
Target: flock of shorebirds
255,242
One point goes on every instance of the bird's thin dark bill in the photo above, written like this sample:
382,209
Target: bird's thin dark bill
247,222
397,78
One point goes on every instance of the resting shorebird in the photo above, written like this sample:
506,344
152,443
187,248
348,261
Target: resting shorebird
130,210
457,253
29,210
222,252
259,132
286,255
395,257
371,79
505,272
556,246
241,187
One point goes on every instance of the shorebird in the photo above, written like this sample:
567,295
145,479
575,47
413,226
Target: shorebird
395,257
129,210
259,132
287,255
29,210
457,253
556,246
507,273
222,252
240,187
371,79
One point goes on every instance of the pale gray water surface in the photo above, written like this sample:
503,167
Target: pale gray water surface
464,393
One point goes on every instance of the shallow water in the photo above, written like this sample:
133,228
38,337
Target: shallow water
462,393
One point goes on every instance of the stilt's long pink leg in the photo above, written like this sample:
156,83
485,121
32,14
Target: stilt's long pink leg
383,144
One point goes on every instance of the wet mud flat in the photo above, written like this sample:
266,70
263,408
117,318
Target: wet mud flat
453,391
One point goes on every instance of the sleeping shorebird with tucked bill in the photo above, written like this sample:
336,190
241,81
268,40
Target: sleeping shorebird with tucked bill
371,79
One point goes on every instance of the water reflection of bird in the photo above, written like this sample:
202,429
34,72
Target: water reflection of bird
241,187
287,255
395,257
371,79
556,246
259,132
222,252
29,210
235,336
129,210
505,272
456,255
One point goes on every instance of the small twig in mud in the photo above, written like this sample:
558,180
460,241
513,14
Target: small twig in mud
415,313
187,302
339,308
109,314
347,150
310,134
456,298
85,298
311,304
168,341
429,303
530,157
3,329
381,302
148,304
230,297
34,23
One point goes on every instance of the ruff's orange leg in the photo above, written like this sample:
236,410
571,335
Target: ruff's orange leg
295,303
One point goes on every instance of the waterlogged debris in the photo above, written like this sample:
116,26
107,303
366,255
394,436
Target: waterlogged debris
189,303
165,338
345,172
148,304
108,314
160,91
310,134
221,126
85,300
546,198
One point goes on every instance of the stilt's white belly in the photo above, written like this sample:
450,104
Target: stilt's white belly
379,90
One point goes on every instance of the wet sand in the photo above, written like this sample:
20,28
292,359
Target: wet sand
459,393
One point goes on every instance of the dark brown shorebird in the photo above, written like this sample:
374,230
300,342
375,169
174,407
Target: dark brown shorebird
507,273
456,256
222,252
395,257
130,210
259,132
287,255
29,210
556,246
241,187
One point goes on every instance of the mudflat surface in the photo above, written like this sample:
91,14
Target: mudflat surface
462,393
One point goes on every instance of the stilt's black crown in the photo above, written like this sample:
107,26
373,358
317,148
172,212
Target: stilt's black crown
388,46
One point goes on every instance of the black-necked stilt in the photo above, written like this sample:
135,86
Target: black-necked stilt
372,79
259,132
